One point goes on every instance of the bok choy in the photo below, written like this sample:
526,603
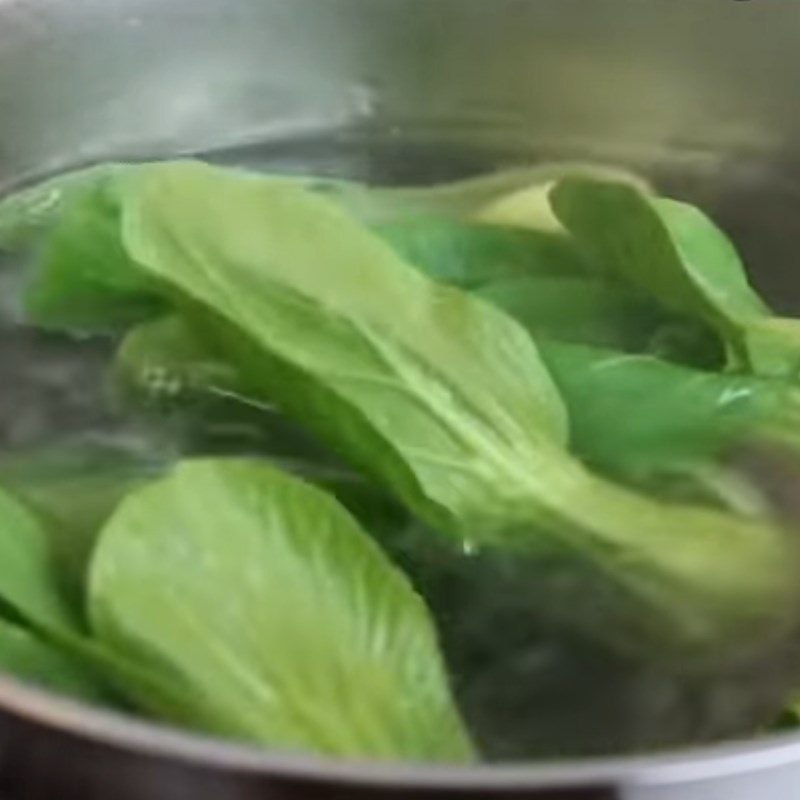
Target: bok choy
523,373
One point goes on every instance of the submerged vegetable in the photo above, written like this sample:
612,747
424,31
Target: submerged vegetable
675,253
419,383
530,206
39,633
396,374
27,579
582,310
632,416
541,279
286,622
634,412
500,197
35,661
257,309
470,255
28,214
73,487
546,283
50,631
84,280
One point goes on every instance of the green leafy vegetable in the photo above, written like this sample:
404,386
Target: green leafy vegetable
164,362
257,298
285,620
530,207
422,396
39,634
444,399
634,412
74,487
41,638
27,581
545,282
632,415
84,280
470,255
28,214
25,656
675,253
185,393
582,310
509,197
459,199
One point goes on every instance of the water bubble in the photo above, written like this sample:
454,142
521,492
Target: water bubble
469,549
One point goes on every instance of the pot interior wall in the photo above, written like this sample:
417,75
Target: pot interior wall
703,92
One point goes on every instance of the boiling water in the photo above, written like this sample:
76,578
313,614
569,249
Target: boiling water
526,690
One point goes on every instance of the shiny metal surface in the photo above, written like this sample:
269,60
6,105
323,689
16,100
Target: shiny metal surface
93,78
703,94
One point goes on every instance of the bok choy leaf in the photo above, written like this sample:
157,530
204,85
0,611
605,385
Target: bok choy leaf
284,621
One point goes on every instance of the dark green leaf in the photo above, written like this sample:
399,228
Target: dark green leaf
582,310
529,206
29,592
27,577
83,278
31,659
789,720
49,635
546,283
29,215
675,253
286,622
470,255
635,412
73,487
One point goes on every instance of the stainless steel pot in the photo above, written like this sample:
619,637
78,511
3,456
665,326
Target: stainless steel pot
703,94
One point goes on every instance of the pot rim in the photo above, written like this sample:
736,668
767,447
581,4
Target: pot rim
42,708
